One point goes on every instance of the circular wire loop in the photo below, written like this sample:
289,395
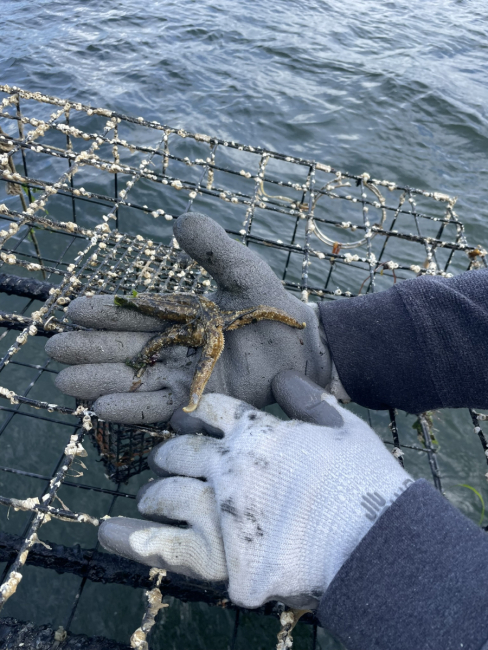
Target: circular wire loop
360,242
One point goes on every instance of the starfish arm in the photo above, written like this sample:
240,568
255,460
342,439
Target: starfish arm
211,352
191,335
202,323
234,320
177,308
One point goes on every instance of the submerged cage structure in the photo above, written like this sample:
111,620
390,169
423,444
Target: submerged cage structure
87,197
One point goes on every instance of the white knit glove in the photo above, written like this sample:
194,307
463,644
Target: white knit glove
284,504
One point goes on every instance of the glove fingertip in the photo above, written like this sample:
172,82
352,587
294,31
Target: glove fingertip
184,423
302,399
53,344
113,535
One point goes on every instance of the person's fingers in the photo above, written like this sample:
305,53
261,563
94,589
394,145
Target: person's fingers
175,549
91,381
138,408
233,266
96,347
182,423
180,499
161,519
100,312
216,415
302,399
189,455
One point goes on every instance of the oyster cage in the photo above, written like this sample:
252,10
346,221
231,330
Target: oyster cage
87,197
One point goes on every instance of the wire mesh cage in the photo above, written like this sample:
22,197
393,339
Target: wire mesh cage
87,201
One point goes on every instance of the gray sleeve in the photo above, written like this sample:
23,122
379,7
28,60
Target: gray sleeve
420,345
417,580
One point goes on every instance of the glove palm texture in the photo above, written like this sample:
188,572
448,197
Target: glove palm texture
251,358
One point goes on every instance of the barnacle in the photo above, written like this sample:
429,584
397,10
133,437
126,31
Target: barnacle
199,322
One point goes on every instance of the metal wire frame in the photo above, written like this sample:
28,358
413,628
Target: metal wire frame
301,198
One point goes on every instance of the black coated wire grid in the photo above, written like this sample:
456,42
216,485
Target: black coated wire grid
86,203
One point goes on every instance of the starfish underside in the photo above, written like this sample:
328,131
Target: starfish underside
199,322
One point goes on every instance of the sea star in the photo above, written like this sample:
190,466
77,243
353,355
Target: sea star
200,323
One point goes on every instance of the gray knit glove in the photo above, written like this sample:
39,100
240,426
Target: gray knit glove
252,356
283,504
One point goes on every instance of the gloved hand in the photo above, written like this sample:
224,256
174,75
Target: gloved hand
282,506
252,355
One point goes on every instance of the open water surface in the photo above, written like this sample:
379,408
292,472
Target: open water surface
395,88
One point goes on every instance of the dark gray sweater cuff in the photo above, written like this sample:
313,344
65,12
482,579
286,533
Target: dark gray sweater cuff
418,580
420,345
376,352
